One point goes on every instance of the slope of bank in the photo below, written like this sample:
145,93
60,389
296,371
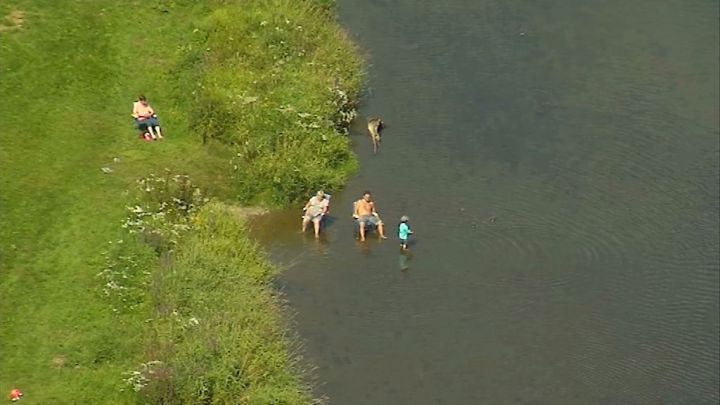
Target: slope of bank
253,98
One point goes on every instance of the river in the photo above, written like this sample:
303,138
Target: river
559,164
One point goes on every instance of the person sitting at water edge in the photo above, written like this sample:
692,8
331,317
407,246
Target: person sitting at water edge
314,211
145,117
404,232
364,212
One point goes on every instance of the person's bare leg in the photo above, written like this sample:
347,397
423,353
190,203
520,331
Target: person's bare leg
152,133
304,224
159,134
316,224
381,231
362,231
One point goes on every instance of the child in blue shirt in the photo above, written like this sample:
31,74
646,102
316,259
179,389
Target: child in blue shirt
404,232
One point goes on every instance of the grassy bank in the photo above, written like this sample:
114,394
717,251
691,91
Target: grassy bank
251,95
288,118
216,337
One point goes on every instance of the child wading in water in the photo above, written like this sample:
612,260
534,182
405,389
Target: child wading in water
404,232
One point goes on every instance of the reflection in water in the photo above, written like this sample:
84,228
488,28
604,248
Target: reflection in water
318,245
363,247
404,259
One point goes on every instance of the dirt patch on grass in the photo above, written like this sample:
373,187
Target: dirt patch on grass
58,361
14,20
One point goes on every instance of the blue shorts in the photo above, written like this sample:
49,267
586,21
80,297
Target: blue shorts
369,220
403,242
148,122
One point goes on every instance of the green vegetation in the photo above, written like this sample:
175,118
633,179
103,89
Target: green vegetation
217,335
288,119
254,97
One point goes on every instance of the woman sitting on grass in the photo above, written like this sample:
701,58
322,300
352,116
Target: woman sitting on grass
145,118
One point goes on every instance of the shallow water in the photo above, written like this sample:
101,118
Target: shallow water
559,163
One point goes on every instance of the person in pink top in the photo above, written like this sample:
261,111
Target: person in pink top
145,117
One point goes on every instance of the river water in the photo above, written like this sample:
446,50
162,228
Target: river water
559,163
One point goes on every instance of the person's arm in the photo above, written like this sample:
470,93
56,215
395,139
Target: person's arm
307,205
372,210
356,213
135,112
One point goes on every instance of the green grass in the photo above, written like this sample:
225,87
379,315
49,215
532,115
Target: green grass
287,120
68,77
217,336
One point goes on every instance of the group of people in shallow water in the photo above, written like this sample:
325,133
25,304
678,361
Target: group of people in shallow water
364,214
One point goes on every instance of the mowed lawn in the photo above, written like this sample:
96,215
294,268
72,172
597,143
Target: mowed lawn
69,72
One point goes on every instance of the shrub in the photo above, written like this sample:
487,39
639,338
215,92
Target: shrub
280,85
219,339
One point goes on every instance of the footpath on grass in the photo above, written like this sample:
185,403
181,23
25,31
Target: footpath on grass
139,283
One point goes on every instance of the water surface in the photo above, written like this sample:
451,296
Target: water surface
559,163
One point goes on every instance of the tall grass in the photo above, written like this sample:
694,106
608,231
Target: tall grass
213,332
274,88
216,337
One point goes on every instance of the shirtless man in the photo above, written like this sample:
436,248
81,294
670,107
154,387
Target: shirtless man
365,213
145,117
